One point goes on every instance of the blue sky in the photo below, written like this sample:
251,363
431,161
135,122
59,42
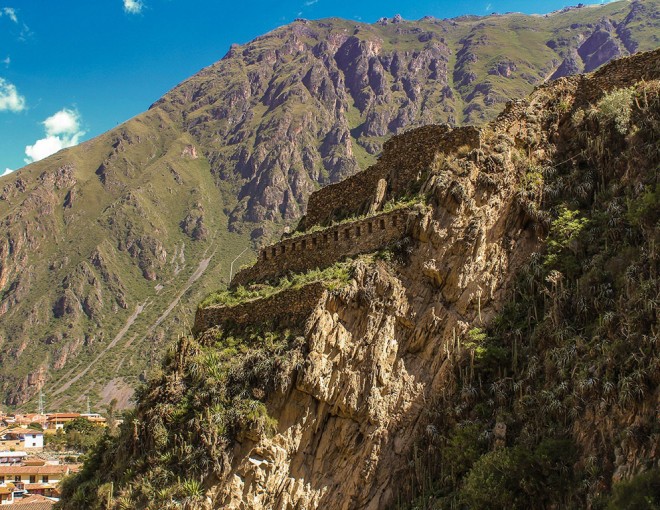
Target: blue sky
72,69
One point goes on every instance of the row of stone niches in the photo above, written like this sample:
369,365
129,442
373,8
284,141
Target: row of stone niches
312,241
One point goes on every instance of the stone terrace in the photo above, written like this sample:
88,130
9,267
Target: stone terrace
284,308
325,247
405,160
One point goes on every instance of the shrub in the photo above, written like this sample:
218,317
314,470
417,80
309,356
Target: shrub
512,477
333,277
642,492
462,450
564,233
616,107
493,481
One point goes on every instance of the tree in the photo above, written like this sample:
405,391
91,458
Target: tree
111,412
80,424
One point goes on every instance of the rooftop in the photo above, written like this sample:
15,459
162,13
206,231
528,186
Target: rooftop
34,502
22,431
63,416
37,470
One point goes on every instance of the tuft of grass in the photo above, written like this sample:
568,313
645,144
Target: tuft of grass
333,277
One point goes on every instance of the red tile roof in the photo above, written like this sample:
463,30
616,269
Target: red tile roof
19,430
35,470
34,502
37,486
63,416
33,498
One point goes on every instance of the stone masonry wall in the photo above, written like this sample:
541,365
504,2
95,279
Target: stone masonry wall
405,158
620,73
325,247
284,308
350,197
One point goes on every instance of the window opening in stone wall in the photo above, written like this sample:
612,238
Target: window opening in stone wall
325,238
347,233
303,245
382,224
293,247
358,231
274,251
314,241
336,235
283,249
370,227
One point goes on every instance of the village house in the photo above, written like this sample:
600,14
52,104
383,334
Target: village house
49,422
34,502
7,493
24,420
56,421
10,443
95,418
42,479
23,439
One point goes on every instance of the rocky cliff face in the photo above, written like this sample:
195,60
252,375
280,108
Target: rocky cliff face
107,246
480,362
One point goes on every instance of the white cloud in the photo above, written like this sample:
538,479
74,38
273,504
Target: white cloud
7,61
488,7
133,6
65,122
311,2
6,172
62,131
10,12
10,99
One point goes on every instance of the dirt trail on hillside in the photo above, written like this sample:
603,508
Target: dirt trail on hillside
201,268
129,322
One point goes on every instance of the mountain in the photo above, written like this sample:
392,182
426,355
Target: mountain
106,248
478,330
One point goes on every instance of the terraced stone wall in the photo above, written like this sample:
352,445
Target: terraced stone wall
405,160
288,307
325,247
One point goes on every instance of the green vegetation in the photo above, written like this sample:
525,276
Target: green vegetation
616,107
208,393
332,277
562,241
393,204
574,349
79,435
642,492
512,478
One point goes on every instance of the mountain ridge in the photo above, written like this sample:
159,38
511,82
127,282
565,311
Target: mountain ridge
228,158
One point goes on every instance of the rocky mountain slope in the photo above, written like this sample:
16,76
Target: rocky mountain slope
502,354
106,248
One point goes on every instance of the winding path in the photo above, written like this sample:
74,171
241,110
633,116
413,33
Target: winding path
201,268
